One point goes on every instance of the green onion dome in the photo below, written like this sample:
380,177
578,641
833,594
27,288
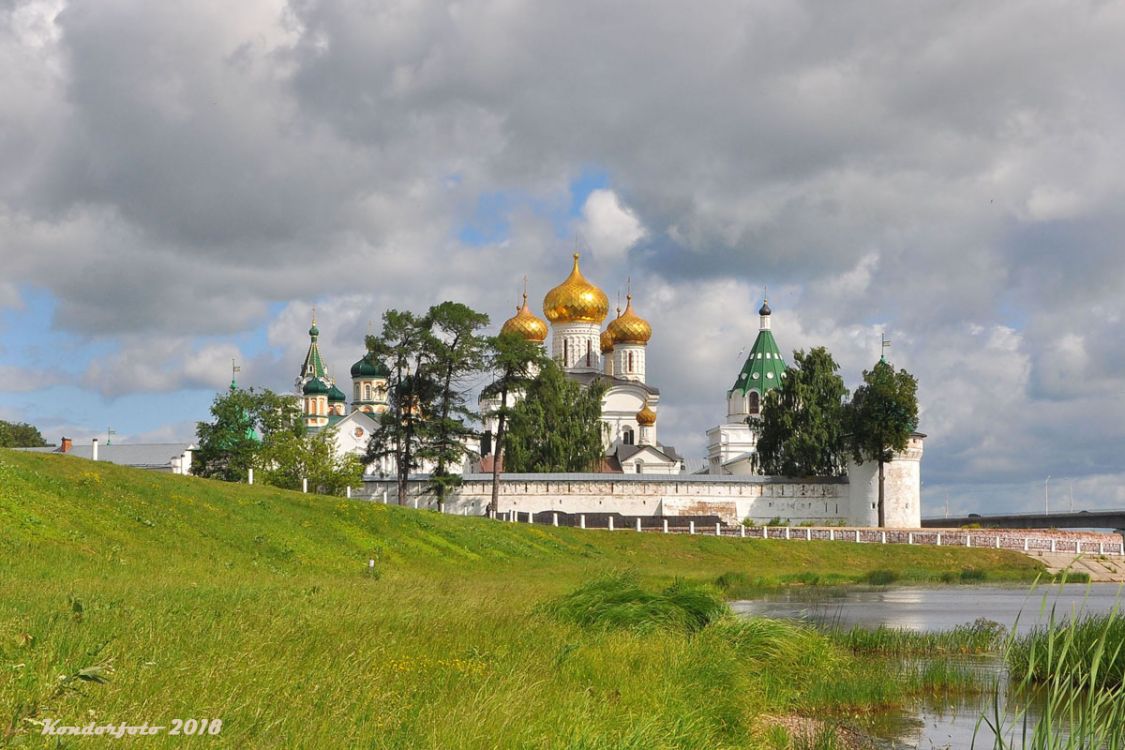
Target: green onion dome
335,395
370,367
315,387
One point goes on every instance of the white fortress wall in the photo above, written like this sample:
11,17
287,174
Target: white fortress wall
851,500
732,498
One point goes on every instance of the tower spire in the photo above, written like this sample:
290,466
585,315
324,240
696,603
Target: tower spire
234,370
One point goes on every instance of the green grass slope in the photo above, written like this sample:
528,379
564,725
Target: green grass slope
184,598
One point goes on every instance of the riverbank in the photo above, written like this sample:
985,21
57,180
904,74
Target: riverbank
156,597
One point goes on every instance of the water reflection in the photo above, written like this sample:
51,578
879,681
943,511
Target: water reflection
940,721
933,608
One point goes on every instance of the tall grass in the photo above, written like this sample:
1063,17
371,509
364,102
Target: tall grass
155,597
617,600
1071,671
981,637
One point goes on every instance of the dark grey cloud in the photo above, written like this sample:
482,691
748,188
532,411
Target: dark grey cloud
949,173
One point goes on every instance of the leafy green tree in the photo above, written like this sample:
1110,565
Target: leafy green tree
20,435
882,415
242,419
288,457
803,420
514,361
556,426
453,353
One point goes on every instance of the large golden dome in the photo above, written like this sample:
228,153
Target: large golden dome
575,300
526,324
628,327
646,417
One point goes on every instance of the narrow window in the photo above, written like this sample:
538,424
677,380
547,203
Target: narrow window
627,436
630,362
755,402
566,352
588,352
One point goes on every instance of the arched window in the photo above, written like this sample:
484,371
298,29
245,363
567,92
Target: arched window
755,402
627,436
367,392
640,466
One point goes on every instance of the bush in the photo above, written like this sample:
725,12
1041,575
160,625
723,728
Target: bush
973,575
617,601
880,577
732,579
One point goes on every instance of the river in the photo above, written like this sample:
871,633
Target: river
934,723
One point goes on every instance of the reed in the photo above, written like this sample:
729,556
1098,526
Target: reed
1074,669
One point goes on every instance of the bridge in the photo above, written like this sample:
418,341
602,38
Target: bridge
1084,519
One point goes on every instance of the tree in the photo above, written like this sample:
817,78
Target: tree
556,426
452,353
288,457
243,418
410,392
803,420
432,357
882,415
20,435
514,361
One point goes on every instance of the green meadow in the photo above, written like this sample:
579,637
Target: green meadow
135,597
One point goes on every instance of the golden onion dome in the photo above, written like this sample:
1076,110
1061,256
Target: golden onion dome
607,342
629,328
646,417
576,300
526,324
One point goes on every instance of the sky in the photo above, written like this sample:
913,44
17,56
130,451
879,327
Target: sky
184,181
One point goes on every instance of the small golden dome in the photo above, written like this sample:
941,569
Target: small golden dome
526,324
646,417
576,300
607,342
629,328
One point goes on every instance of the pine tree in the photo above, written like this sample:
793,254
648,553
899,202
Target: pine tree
514,361
410,392
453,353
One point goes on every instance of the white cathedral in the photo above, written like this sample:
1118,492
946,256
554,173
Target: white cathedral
614,355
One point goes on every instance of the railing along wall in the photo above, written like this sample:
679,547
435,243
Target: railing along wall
987,539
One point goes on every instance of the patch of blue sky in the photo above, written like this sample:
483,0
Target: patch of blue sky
489,222
31,341
128,415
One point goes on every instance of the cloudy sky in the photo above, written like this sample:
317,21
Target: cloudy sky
182,181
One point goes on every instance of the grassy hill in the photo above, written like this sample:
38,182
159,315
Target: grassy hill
192,598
